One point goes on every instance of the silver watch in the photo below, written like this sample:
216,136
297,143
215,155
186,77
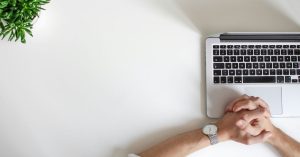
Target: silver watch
211,131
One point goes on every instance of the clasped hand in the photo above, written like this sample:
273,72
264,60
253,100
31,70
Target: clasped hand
246,120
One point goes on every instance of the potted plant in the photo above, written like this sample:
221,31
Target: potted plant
16,17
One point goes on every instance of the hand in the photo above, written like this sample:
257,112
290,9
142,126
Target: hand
263,123
242,127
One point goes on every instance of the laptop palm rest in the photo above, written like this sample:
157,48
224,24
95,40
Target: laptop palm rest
272,95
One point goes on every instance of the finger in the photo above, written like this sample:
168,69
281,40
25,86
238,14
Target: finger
251,104
229,108
262,137
253,130
249,116
246,104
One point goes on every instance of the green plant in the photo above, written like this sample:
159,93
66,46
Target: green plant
16,17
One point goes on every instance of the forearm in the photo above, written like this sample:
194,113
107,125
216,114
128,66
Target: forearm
287,146
179,146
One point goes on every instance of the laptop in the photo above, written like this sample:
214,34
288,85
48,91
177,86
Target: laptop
266,65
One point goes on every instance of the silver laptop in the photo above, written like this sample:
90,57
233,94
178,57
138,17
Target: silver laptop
266,65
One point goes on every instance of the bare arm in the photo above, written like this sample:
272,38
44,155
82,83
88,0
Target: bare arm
179,146
287,146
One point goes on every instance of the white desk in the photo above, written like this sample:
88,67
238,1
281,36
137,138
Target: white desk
105,78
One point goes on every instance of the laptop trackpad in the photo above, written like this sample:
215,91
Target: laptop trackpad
272,95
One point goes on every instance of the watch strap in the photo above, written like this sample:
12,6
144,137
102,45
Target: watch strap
213,139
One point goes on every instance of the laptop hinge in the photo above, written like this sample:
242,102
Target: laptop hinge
260,37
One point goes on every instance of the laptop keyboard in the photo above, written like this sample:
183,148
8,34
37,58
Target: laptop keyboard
256,64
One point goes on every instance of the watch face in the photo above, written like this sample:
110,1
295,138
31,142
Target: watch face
210,129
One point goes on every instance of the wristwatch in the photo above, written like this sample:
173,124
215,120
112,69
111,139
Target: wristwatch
211,130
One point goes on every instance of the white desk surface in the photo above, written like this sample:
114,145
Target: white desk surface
106,78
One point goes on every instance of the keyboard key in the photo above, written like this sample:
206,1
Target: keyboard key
292,72
218,59
238,72
292,46
219,65
233,58
289,65
236,52
237,79
217,72
231,72
282,65
280,79
255,65
290,52
241,65
273,58
223,46
229,79
260,79
224,72
280,58
256,52
299,58
278,46
222,52
294,58
229,46
228,65
285,46
286,72
248,65
229,52
216,52
247,58
249,52
270,52
251,46
278,72
262,65
298,72
294,80
283,52
296,65
253,58
244,46
298,46
237,46
277,52
216,79
265,46
263,52
269,65
266,72
272,72
258,72
252,72
235,65
272,46
215,46
258,46
287,58
275,65
243,52
245,72
223,80
287,79
240,58
260,58
226,58
267,58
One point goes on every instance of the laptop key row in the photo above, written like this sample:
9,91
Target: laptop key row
256,79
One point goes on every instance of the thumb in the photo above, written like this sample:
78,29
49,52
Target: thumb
262,137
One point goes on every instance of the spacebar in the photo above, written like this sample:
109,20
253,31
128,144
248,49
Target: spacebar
259,79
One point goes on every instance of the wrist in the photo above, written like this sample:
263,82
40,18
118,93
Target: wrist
275,135
222,134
